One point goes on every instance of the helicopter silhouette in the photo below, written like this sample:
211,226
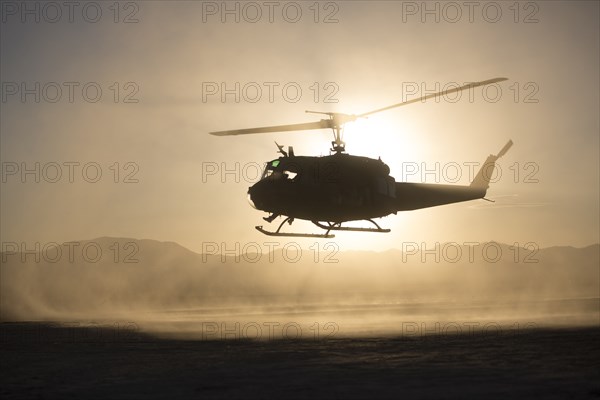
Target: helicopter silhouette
338,188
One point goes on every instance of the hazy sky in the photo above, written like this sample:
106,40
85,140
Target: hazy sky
367,55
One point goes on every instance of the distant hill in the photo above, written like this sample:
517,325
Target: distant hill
111,274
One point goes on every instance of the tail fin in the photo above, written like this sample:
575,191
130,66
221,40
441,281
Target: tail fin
482,179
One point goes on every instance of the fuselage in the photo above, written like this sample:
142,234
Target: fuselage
335,188
342,187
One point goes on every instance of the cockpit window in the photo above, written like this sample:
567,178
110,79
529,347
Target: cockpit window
275,170
289,175
267,171
270,168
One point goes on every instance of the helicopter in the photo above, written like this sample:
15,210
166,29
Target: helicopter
338,188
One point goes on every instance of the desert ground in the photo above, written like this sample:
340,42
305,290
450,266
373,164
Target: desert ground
58,360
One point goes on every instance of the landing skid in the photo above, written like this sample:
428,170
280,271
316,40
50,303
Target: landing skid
337,226
290,220
331,226
305,235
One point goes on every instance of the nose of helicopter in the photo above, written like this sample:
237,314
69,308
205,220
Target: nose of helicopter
253,197
256,196
250,199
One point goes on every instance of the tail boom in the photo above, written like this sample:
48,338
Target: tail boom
413,196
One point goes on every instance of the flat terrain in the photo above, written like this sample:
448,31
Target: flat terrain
53,361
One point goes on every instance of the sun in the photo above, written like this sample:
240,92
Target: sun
385,136
394,139
368,136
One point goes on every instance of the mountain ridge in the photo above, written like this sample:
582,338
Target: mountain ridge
112,239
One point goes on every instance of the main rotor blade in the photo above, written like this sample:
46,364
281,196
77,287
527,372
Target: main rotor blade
423,98
322,124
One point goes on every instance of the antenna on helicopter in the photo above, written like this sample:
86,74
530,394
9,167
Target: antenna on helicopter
281,150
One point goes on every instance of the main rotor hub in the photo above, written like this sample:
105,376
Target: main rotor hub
336,123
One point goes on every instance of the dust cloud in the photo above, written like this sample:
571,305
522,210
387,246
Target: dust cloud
168,290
